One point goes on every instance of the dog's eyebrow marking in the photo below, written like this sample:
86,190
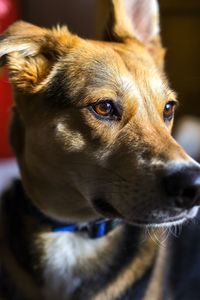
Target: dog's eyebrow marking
160,89
113,77
128,86
108,71
120,86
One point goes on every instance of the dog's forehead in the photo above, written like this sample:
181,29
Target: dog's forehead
111,70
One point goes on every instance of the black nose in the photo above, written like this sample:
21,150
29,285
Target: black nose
183,186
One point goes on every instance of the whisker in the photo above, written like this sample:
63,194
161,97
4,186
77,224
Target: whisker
159,237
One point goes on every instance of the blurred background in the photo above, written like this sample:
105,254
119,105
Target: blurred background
180,24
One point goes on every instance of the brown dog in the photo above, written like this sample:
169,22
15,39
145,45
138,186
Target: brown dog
91,132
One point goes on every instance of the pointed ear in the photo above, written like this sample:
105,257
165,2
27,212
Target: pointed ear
30,53
134,19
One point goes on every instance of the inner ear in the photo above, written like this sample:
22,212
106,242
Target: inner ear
131,19
144,18
30,53
134,20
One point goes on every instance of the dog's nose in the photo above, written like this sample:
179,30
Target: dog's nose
183,187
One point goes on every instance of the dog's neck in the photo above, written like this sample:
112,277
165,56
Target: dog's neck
66,263
95,229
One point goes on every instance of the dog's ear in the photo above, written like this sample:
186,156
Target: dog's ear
30,53
134,19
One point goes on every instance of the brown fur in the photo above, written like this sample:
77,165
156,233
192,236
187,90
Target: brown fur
112,70
77,167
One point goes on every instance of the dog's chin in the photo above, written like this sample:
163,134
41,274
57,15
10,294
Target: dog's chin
109,211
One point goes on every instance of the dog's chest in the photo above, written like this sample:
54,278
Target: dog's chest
68,258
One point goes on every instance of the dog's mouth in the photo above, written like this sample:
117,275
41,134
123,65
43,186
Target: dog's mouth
106,209
109,211
176,220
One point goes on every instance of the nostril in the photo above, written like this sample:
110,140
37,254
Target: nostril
187,197
190,192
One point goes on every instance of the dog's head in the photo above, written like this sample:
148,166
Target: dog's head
92,121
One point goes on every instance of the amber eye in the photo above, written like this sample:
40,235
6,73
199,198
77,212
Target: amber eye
169,110
106,110
103,109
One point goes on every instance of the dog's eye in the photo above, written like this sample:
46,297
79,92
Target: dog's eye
169,110
105,109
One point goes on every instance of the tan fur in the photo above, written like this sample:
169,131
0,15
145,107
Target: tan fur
132,273
78,167
155,288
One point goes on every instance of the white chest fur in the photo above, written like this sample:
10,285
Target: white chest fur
67,257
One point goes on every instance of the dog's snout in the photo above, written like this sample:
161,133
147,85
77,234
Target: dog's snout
183,187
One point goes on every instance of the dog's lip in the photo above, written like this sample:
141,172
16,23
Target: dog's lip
108,210
167,221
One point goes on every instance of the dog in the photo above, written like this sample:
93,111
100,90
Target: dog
101,175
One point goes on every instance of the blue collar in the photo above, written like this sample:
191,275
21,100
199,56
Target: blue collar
94,229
